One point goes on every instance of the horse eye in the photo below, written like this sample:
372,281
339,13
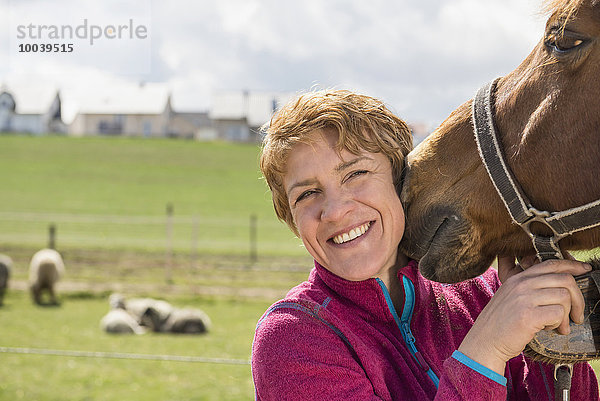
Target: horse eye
562,42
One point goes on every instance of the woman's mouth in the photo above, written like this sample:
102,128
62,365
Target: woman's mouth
352,234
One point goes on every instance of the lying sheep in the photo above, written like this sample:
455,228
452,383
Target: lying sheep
5,268
184,321
161,317
45,270
187,321
137,307
119,321
125,316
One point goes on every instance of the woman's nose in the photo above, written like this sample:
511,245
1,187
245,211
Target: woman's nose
335,207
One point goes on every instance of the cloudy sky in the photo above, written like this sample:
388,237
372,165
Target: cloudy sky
423,57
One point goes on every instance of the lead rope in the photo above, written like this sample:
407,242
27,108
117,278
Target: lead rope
563,372
562,381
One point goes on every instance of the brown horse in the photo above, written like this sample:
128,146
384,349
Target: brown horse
547,115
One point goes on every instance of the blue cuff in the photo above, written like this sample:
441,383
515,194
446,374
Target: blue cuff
479,368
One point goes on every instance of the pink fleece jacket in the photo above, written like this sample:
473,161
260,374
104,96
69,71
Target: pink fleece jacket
332,339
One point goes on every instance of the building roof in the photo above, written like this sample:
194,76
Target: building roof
31,99
255,107
149,98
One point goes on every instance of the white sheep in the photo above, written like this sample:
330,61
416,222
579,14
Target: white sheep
45,270
184,321
119,321
138,307
5,268
160,316
187,321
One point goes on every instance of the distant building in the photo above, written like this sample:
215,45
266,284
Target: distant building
193,125
238,116
138,110
33,110
142,110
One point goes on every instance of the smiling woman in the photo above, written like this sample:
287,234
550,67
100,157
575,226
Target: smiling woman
366,325
345,207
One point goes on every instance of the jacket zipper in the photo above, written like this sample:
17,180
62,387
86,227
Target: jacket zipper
403,324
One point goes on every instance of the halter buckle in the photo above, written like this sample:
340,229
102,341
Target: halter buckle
539,216
546,247
536,214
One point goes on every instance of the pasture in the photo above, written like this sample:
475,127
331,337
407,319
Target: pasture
107,198
112,193
74,326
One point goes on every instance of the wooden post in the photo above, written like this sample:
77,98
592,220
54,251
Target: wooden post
52,236
253,250
169,256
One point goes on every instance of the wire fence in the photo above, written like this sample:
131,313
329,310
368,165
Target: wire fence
243,257
249,235
121,355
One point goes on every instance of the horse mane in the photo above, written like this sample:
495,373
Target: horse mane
562,8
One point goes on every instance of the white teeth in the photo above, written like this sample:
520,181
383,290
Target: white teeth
352,234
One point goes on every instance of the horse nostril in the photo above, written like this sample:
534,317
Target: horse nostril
435,227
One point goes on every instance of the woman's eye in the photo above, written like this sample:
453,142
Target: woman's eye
305,195
356,173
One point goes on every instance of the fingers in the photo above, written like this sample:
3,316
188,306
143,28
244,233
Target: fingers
541,297
551,283
563,304
565,282
559,273
507,267
553,317
527,261
572,267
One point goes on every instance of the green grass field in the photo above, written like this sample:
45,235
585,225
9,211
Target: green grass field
107,197
113,193
75,326
97,175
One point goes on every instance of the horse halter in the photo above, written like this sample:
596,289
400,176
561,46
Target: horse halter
519,207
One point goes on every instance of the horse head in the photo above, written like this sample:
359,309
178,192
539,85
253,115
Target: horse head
547,114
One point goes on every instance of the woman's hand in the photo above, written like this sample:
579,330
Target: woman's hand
541,297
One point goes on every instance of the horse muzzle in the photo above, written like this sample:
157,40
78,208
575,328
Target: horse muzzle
442,241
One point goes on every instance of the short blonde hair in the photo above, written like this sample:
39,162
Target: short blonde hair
363,123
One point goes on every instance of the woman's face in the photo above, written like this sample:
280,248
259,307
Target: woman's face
345,207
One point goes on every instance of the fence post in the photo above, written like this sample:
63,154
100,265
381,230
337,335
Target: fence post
52,236
169,256
253,250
